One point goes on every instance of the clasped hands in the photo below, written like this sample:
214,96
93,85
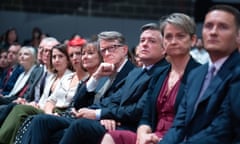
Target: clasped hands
91,114
84,113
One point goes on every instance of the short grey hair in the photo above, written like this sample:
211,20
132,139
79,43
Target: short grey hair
111,36
180,20
50,40
32,50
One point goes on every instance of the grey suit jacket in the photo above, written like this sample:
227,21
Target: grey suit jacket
32,82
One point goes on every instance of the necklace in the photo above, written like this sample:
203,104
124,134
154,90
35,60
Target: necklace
173,78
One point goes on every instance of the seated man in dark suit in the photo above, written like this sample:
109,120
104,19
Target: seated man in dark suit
10,75
199,119
95,90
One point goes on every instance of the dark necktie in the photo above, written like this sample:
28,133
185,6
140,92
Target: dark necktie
23,90
43,83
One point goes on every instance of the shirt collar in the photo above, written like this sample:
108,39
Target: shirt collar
147,67
217,64
121,66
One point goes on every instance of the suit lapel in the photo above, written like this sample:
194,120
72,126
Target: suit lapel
139,77
123,73
221,77
136,78
192,64
194,88
213,86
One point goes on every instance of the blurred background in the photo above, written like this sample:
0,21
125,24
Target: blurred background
64,18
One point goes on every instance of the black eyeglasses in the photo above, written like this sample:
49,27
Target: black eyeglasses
110,49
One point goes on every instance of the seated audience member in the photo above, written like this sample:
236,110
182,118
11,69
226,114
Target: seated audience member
35,39
167,91
3,60
10,75
199,118
124,108
105,81
135,57
27,59
10,38
57,85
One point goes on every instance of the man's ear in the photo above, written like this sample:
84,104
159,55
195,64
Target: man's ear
125,48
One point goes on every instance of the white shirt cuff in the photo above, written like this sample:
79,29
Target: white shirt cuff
91,84
98,114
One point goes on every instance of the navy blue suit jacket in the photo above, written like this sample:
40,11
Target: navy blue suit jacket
11,81
150,112
83,98
192,125
126,105
232,106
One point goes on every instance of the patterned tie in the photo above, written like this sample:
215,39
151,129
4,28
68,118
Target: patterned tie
206,83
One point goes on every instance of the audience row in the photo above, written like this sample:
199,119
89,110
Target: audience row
91,91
